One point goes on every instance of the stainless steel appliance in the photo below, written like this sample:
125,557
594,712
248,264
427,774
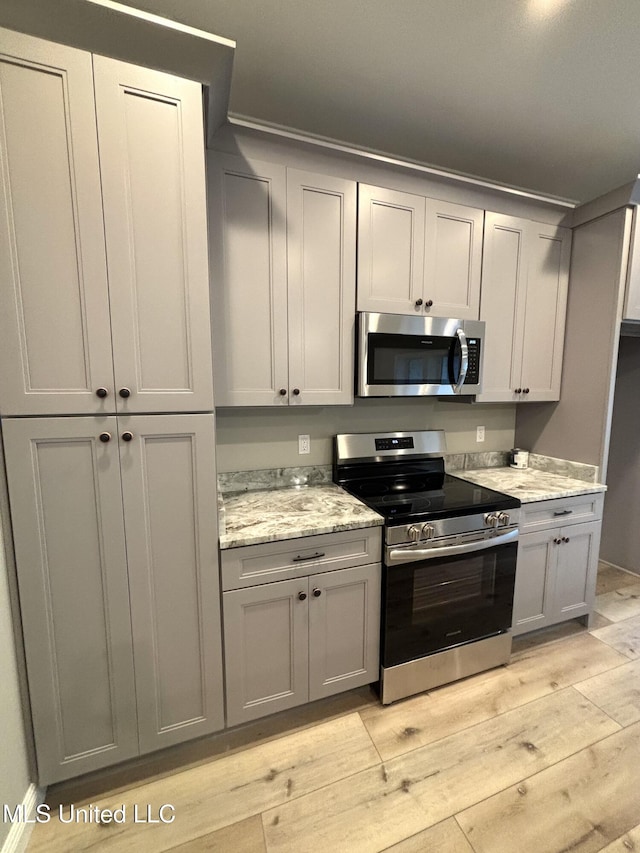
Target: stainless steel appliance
400,356
449,559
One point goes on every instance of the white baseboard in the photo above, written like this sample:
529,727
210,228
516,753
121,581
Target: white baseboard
18,838
619,568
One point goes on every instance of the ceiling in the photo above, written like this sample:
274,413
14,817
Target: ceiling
539,94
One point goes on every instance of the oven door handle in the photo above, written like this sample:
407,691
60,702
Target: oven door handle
464,361
403,555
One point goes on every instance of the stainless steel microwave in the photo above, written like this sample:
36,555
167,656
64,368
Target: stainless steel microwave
405,356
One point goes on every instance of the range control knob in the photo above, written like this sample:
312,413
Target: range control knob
428,531
413,533
503,518
491,519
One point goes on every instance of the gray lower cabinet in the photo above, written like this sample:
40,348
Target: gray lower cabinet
297,640
557,562
116,551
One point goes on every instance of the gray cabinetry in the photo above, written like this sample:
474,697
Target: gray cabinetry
117,569
300,639
418,255
525,273
283,277
557,561
108,184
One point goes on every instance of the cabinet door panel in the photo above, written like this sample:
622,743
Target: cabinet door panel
66,507
249,281
545,311
344,630
54,309
501,307
152,161
577,569
453,259
321,239
533,592
390,250
170,506
266,649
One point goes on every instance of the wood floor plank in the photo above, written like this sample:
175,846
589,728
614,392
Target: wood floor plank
211,796
619,604
445,837
384,805
244,837
629,841
617,692
582,804
533,673
624,637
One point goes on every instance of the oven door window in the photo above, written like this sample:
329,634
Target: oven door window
412,360
436,604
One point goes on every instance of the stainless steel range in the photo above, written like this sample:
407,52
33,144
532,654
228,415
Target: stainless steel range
449,559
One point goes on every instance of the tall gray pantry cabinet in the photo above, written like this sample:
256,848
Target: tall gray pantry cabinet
107,404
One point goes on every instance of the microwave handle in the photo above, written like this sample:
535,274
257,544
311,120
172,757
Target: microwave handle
464,361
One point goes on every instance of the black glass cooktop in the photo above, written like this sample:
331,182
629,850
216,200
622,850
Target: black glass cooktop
417,498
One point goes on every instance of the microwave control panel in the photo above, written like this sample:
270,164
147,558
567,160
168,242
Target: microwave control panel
473,371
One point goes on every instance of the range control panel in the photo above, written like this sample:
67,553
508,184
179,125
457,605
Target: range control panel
473,372
402,443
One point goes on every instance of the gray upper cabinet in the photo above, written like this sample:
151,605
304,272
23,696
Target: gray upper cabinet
116,550
117,211
54,302
283,278
418,255
524,298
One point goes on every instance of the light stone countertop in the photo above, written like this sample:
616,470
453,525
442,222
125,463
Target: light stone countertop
271,515
529,484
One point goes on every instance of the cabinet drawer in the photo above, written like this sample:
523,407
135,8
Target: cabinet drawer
294,558
560,511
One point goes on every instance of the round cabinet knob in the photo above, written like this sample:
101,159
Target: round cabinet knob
124,392
525,390
102,393
127,436
428,303
302,596
105,437
557,541
296,392
283,392
317,592
418,303
518,391
565,538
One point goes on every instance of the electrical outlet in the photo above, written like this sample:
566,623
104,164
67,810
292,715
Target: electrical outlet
479,433
304,444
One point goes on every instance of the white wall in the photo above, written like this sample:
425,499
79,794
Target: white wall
254,439
14,767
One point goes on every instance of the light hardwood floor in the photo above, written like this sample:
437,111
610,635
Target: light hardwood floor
541,756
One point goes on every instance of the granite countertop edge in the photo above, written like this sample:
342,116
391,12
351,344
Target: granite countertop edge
275,515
